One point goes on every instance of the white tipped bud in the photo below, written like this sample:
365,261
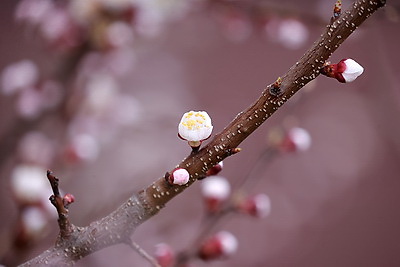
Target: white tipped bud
258,206
179,176
347,70
195,127
216,187
300,138
164,255
221,244
351,70
215,190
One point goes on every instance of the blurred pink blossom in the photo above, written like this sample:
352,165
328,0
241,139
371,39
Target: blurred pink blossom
120,34
83,147
215,190
164,255
257,206
220,245
36,148
33,11
29,103
18,76
291,33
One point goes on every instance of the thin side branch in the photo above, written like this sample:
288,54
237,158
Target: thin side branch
121,223
66,228
143,253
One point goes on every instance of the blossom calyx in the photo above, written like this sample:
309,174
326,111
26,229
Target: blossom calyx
347,70
195,127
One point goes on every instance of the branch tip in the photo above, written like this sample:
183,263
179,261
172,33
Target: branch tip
337,10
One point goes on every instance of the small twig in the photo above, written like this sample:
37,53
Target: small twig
264,158
208,225
66,228
135,246
337,10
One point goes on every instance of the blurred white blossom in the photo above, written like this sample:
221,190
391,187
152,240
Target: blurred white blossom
34,221
29,183
19,75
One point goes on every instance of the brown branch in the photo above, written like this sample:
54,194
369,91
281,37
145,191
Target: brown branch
66,228
121,223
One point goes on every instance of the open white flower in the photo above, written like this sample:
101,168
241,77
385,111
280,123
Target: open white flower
195,127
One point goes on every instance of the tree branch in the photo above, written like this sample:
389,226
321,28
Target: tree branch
121,223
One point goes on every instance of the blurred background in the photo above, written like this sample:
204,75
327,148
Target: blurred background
94,91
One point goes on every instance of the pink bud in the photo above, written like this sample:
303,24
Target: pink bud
258,206
215,190
68,199
220,245
297,139
179,176
164,255
215,169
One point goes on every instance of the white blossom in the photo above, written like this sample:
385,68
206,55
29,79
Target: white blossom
19,75
195,126
34,220
29,183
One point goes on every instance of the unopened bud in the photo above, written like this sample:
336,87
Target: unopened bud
164,255
297,139
68,199
347,70
179,176
215,190
220,245
258,206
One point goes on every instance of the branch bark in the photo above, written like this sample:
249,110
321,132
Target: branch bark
118,226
